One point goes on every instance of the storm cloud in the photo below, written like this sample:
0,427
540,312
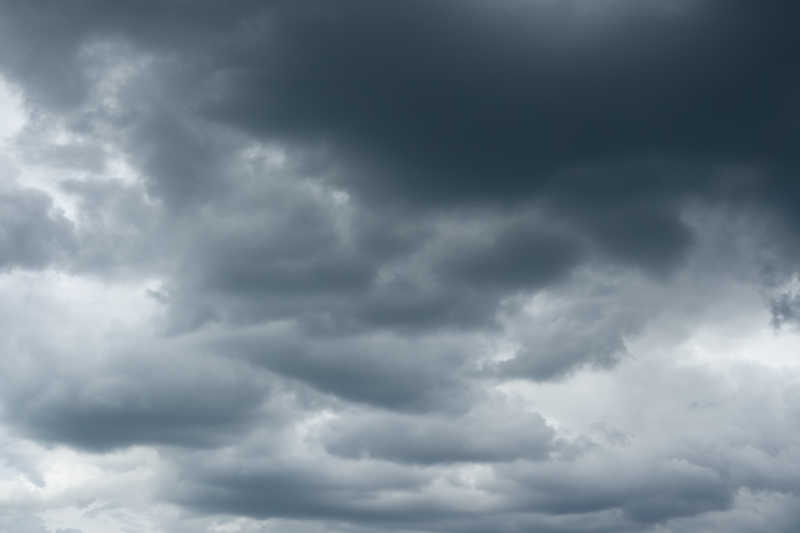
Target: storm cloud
462,266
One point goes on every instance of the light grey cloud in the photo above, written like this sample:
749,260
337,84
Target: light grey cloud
24,522
34,233
584,323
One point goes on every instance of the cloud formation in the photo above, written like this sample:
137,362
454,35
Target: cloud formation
404,266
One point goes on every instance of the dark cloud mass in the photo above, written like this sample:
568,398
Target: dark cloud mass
430,266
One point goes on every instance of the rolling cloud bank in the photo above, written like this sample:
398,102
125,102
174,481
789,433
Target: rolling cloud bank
408,266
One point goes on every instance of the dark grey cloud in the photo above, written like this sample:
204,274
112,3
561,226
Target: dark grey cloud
297,260
286,487
510,89
579,496
145,398
303,78
381,369
513,94
357,231
518,256
670,491
481,436
184,163
624,485
775,511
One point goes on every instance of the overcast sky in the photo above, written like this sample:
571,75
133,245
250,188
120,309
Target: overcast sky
418,266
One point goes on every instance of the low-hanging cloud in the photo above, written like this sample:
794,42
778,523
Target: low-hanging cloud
402,266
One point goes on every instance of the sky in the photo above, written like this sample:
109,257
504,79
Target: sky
419,266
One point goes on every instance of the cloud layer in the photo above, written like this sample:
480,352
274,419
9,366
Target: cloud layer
399,266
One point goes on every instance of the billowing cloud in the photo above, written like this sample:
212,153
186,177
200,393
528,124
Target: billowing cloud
407,266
